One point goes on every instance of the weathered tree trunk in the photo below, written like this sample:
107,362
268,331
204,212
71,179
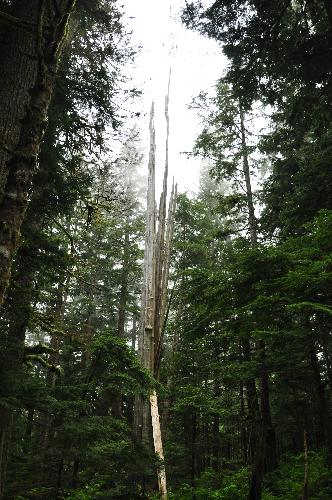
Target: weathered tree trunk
21,162
142,421
154,296
158,446
163,314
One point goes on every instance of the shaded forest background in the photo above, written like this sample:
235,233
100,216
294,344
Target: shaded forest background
246,367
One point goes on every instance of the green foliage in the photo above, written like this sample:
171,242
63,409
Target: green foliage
247,360
210,486
226,142
287,481
112,355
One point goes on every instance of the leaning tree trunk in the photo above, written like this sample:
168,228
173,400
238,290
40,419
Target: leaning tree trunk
21,162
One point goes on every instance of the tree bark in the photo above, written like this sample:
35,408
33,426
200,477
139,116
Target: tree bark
154,292
22,161
142,420
246,171
18,71
158,445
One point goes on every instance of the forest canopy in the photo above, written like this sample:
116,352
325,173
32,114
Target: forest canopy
179,349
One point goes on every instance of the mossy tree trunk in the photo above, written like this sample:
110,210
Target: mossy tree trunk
22,160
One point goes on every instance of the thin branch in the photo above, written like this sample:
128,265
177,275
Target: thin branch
71,239
92,285
18,23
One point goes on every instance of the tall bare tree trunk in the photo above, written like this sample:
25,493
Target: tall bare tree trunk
158,447
154,297
142,423
246,171
265,456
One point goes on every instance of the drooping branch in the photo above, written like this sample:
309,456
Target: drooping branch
30,358
38,349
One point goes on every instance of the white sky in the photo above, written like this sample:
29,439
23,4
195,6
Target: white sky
197,63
